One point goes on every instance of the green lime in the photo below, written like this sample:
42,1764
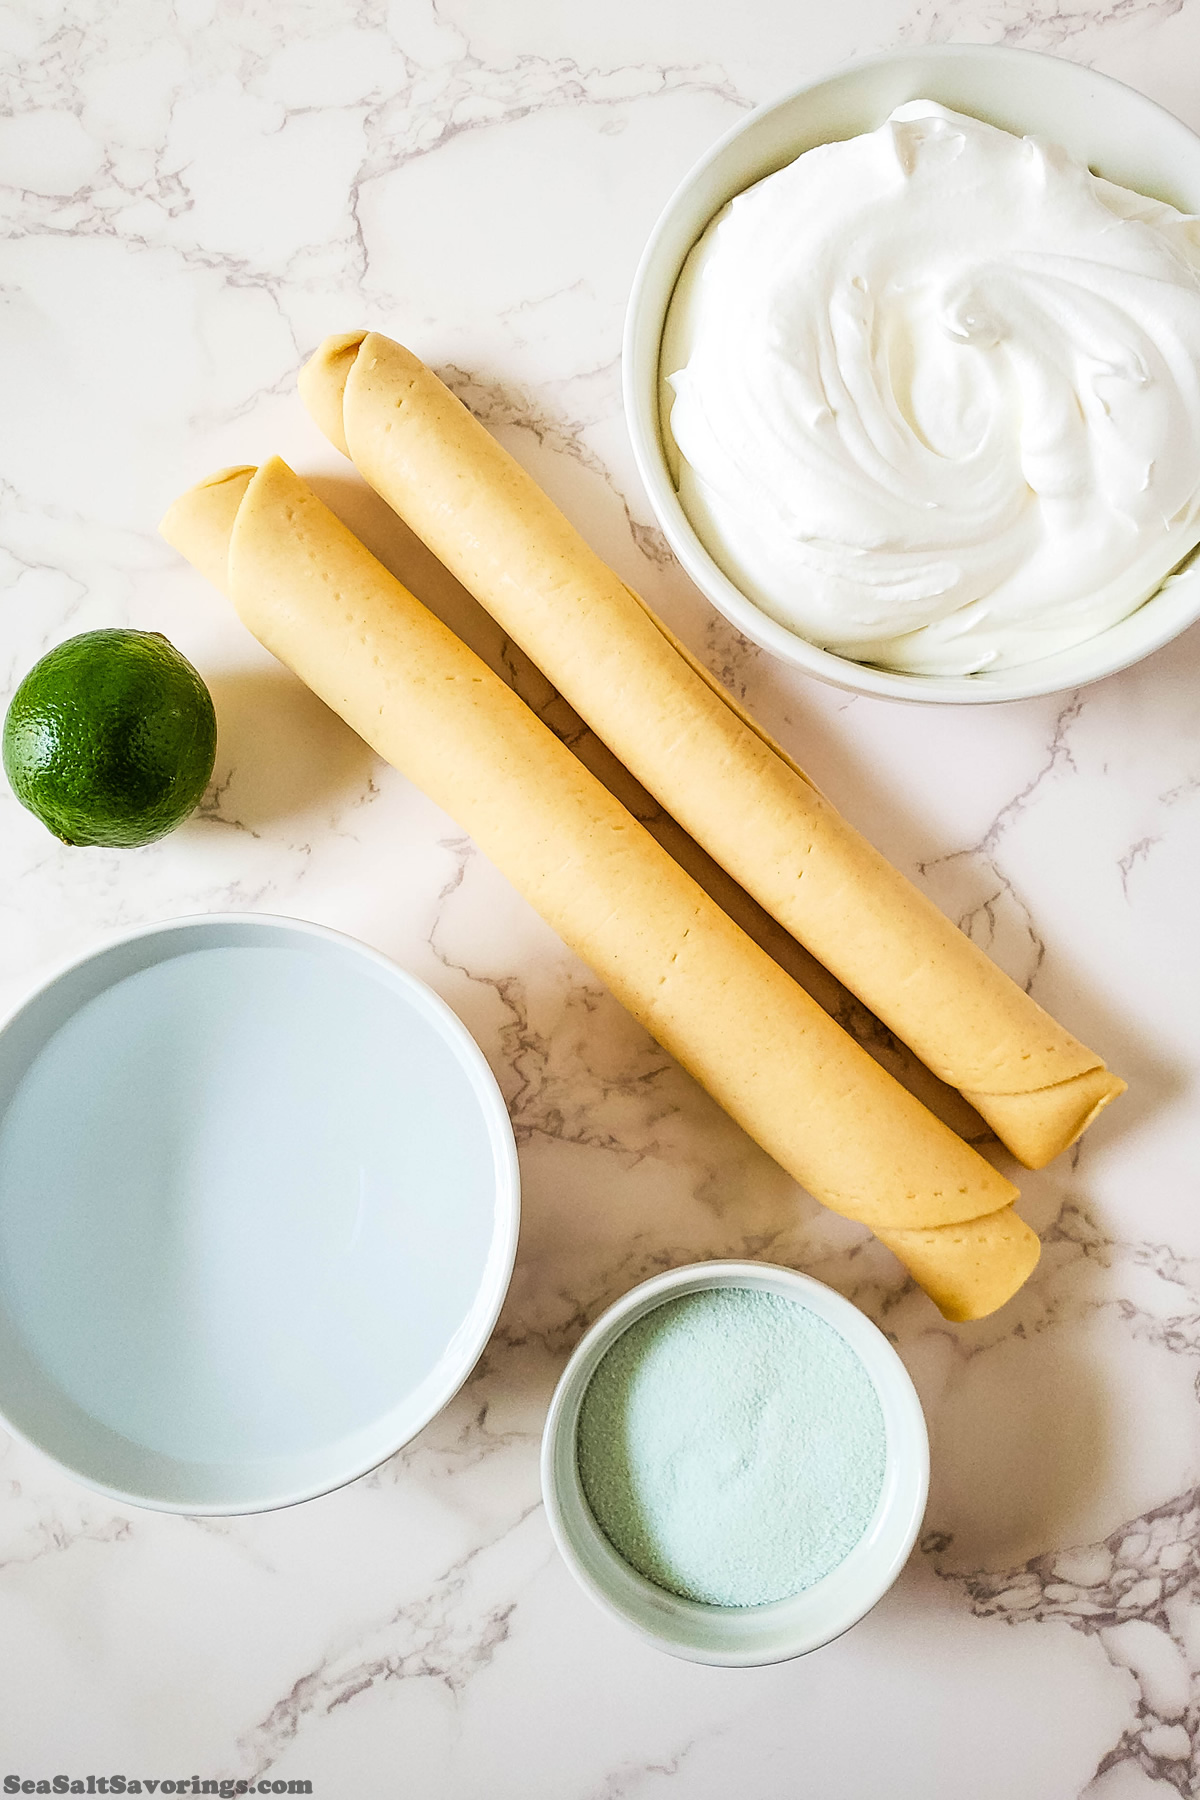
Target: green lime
110,739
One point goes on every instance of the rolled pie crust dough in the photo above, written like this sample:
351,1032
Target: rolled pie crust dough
811,1096
666,718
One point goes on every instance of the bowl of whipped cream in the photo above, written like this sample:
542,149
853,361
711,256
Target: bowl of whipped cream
912,373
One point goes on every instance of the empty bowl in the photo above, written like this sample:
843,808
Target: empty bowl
258,1213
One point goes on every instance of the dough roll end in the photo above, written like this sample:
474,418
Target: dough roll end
322,383
969,1270
1040,1125
200,523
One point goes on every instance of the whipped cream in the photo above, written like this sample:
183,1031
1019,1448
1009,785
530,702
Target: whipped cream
936,395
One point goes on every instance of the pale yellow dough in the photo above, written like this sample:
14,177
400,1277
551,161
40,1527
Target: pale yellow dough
703,759
809,1094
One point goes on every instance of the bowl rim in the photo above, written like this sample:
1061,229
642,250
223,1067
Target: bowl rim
501,1140
902,1502
1169,611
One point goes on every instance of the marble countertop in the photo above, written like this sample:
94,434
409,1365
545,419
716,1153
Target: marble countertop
195,192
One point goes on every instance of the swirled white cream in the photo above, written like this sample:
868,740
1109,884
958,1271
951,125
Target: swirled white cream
937,395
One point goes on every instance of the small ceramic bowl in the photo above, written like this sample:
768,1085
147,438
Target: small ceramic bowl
258,1213
741,1636
1116,131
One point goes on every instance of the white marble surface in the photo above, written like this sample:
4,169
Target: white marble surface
194,194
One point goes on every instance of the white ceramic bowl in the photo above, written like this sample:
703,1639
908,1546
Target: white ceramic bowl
1115,130
258,1212
741,1636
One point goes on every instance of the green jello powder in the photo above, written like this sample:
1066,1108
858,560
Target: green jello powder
731,1446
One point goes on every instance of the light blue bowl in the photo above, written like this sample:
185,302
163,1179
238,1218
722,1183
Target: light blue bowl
258,1213
736,1637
